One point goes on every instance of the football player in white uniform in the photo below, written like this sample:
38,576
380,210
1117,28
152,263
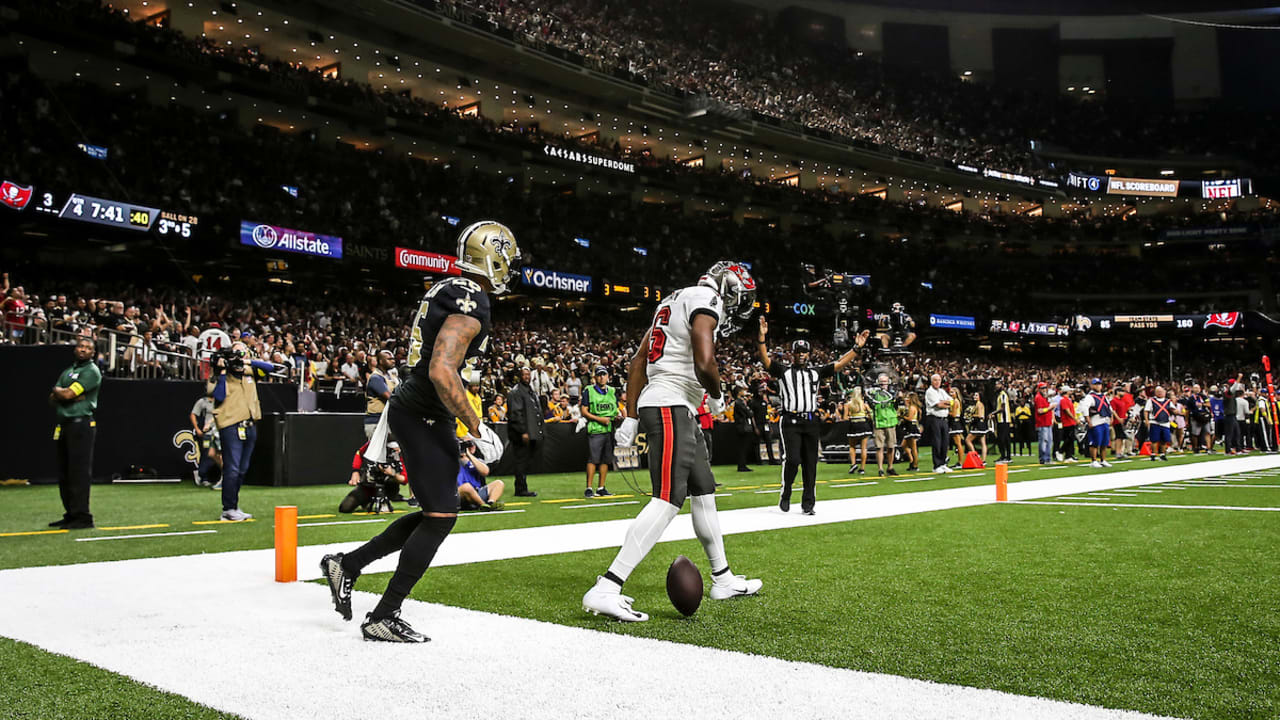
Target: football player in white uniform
672,369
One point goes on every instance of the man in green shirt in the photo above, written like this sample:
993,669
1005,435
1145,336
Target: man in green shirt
75,397
600,408
885,412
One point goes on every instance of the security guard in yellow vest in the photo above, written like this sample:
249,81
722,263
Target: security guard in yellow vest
236,412
377,390
75,397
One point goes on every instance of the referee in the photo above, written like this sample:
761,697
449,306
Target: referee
800,427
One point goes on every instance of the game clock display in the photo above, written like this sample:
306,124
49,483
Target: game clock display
79,207
87,208
638,292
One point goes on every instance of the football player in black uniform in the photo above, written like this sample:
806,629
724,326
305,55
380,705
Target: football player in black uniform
451,327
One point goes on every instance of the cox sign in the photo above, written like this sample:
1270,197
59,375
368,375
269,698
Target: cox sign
552,280
803,309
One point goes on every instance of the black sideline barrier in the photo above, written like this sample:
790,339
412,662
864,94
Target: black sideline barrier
140,422
145,423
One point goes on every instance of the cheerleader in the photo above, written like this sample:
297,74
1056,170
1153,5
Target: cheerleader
976,415
859,415
909,431
955,426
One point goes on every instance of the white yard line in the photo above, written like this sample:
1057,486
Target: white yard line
342,522
905,480
139,618
865,482
490,512
1151,505
600,505
144,535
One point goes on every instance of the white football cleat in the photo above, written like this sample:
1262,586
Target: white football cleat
612,604
734,586
1095,464
1106,464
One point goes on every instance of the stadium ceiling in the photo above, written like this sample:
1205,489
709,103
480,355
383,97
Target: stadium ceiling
1068,7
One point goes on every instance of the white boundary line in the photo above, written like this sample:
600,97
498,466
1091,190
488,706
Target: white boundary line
342,522
1145,505
615,504
145,535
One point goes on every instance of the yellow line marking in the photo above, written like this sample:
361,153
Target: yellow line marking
135,527
517,503
314,517
393,512
220,522
614,497
34,532
561,500
744,487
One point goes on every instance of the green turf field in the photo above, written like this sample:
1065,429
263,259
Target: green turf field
39,685
148,509
1164,610
1160,610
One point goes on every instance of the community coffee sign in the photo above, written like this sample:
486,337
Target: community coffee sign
420,261
1140,186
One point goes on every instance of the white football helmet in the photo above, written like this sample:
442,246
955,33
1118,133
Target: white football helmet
737,290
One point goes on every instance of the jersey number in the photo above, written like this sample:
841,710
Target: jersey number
658,339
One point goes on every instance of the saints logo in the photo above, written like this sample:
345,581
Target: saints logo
187,439
466,304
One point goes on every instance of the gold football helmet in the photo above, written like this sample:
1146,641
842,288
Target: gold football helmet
488,248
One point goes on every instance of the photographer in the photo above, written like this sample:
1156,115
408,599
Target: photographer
602,413
202,426
897,329
236,413
473,492
374,482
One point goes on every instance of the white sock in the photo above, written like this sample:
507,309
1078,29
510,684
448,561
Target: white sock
642,535
706,524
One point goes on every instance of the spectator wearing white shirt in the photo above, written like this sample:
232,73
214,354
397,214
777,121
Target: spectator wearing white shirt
937,405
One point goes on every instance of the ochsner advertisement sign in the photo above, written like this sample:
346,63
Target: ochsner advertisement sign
1140,186
426,262
272,237
552,280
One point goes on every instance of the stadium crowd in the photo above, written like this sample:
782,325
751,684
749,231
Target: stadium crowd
321,341
736,55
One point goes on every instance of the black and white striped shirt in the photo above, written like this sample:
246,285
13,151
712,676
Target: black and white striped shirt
799,386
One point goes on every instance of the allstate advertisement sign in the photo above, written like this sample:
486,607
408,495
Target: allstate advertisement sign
272,237
553,280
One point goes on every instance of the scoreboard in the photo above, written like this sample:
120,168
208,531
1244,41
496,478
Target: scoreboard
1203,321
632,292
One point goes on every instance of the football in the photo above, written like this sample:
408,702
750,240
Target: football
684,585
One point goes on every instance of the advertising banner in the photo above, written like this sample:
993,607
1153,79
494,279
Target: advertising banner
273,237
1142,186
952,322
553,280
1092,183
426,262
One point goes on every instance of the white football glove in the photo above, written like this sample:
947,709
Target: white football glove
625,435
715,406
488,445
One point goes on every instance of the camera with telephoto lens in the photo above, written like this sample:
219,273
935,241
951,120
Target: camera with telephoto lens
228,358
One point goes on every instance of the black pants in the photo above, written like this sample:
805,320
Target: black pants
364,494
75,467
706,438
748,449
524,454
935,431
1004,439
1025,437
763,423
1230,434
800,450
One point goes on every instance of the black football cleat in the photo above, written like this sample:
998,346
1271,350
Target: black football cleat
391,629
58,523
785,504
340,583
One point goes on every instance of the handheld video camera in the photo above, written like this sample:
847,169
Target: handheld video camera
228,358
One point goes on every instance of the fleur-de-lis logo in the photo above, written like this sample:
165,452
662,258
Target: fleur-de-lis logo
466,304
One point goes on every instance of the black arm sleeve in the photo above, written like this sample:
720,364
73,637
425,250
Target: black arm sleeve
826,371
